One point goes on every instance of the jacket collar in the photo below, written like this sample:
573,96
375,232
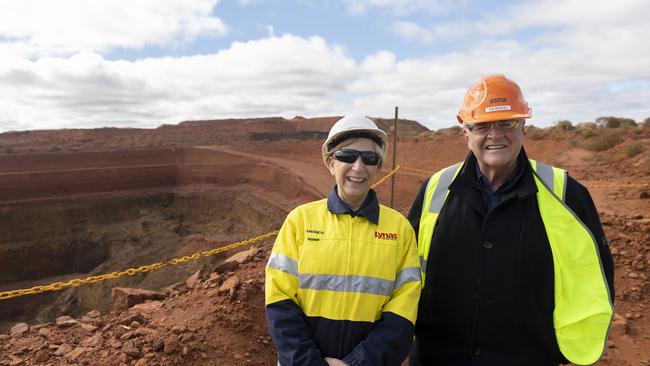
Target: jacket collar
369,209
509,182
467,185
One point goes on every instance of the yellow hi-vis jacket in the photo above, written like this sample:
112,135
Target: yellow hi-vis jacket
344,273
583,308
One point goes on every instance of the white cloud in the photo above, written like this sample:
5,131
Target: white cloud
34,28
572,68
567,65
446,32
413,31
399,7
560,18
291,75
277,75
248,2
580,75
578,14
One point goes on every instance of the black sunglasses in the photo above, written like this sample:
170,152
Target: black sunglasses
350,156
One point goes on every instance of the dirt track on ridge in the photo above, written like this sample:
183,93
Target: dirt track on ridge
309,174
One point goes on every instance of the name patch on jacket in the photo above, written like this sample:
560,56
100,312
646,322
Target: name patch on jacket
385,236
310,233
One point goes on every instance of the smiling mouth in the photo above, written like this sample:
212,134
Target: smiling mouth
356,180
495,147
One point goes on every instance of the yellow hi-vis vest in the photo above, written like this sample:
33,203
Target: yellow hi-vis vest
583,309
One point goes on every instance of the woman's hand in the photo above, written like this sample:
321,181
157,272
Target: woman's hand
335,362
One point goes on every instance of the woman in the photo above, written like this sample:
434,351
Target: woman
343,279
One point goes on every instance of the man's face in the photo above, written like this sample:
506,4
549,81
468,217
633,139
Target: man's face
496,145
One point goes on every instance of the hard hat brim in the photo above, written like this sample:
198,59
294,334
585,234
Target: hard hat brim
495,117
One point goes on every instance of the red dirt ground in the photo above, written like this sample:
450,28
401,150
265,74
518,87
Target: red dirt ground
205,326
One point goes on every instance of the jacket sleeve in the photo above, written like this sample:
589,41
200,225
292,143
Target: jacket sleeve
390,338
290,332
580,202
416,208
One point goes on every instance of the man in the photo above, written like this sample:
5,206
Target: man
516,267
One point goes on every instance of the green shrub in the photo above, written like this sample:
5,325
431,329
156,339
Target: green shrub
589,133
564,125
535,133
615,122
606,139
628,123
456,130
634,149
646,123
586,125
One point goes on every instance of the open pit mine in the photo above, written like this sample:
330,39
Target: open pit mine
78,203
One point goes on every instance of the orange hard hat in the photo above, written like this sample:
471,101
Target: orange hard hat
493,98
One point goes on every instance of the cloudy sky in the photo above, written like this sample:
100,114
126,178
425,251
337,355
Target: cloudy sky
125,63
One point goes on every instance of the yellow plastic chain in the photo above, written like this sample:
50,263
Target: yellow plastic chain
131,271
382,180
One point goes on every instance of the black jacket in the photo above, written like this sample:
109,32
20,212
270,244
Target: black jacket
488,297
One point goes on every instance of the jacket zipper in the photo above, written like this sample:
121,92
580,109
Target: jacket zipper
347,283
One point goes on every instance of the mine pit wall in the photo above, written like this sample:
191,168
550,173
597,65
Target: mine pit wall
38,176
67,235
64,215
92,159
35,176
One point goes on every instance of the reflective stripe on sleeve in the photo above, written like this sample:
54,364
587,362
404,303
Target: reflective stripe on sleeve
411,274
340,283
283,263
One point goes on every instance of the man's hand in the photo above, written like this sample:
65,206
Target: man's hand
335,362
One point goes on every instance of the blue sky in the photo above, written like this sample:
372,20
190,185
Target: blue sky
361,31
81,64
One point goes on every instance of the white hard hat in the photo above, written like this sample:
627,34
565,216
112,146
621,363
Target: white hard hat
354,126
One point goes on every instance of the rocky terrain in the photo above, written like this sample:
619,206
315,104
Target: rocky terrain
136,200
213,318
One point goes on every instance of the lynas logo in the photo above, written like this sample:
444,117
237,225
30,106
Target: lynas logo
385,236
498,100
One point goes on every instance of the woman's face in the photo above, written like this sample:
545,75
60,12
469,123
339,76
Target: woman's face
353,179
